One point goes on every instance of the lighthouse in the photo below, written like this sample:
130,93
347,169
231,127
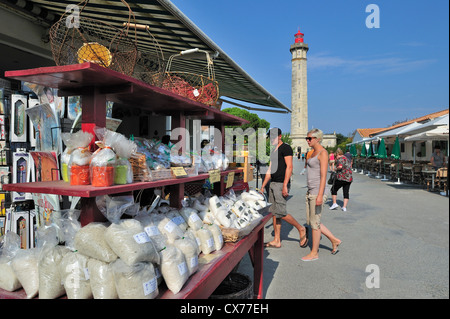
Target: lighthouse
299,98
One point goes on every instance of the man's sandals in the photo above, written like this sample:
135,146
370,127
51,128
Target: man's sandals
303,237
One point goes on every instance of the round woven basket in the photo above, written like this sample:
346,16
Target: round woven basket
93,41
234,286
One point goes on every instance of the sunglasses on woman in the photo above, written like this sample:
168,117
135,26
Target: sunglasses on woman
309,138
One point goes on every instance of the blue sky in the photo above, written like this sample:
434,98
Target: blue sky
358,77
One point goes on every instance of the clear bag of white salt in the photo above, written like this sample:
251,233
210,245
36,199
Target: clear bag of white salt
135,282
207,244
174,268
11,245
75,276
90,241
189,248
50,281
102,279
26,267
131,243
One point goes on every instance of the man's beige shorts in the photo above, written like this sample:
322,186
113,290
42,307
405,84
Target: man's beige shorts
313,212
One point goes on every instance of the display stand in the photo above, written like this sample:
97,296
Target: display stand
96,85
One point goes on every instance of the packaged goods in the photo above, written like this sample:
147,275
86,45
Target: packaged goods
174,268
176,217
169,229
8,250
101,277
150,224
75,276
189,248
191,217
50,281
131,243
207,244
217,235
124,149
26,267
135,282
90,241
72,142
79,161
230,235
191,234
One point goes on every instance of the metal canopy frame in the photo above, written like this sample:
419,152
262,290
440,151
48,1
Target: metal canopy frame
174,32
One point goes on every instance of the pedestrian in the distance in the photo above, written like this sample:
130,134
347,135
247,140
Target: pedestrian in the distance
343,179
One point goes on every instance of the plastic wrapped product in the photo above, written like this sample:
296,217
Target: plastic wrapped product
72,142
191,234
11,246
191,217
102,280
124,148
241,223
256,194
199,206
135,282
102,166
50,281
131,243
176,217
150,224
170,229
79,161
90,241
221,212
174,268
26,267
207,244
75,276
217,235
189,248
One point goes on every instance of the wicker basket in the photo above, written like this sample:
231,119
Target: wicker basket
91,40
197,87
234,286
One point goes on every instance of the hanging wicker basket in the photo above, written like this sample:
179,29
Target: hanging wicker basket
150,63
197,87
91,40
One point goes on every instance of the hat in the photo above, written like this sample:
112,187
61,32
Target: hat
274,132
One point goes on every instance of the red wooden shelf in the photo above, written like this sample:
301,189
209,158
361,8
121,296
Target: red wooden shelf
64,188
79,79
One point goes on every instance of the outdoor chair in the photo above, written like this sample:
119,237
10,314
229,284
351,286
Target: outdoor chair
440,182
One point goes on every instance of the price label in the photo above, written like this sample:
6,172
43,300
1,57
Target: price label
214,176
179,172
230,180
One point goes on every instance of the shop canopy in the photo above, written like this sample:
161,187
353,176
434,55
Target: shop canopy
174,32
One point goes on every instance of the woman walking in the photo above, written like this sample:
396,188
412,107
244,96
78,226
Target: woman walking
343,179
316,181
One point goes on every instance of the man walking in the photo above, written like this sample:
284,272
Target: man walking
279,174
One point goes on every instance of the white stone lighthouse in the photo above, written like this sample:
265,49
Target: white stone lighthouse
299,103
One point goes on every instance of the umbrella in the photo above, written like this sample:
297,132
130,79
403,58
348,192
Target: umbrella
369,151
364,150
353,150
396,155
381,153
396,150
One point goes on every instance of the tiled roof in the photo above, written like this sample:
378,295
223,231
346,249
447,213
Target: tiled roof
368,132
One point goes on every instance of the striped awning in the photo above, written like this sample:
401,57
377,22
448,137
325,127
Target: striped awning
174,32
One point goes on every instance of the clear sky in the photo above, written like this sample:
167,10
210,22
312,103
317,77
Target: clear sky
358,77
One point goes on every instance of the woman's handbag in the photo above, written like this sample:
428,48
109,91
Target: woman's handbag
332,178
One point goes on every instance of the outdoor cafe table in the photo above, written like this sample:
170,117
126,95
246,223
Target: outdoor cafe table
432,173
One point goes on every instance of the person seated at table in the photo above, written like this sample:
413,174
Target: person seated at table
437,158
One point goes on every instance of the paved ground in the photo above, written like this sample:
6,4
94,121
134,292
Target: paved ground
403,230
